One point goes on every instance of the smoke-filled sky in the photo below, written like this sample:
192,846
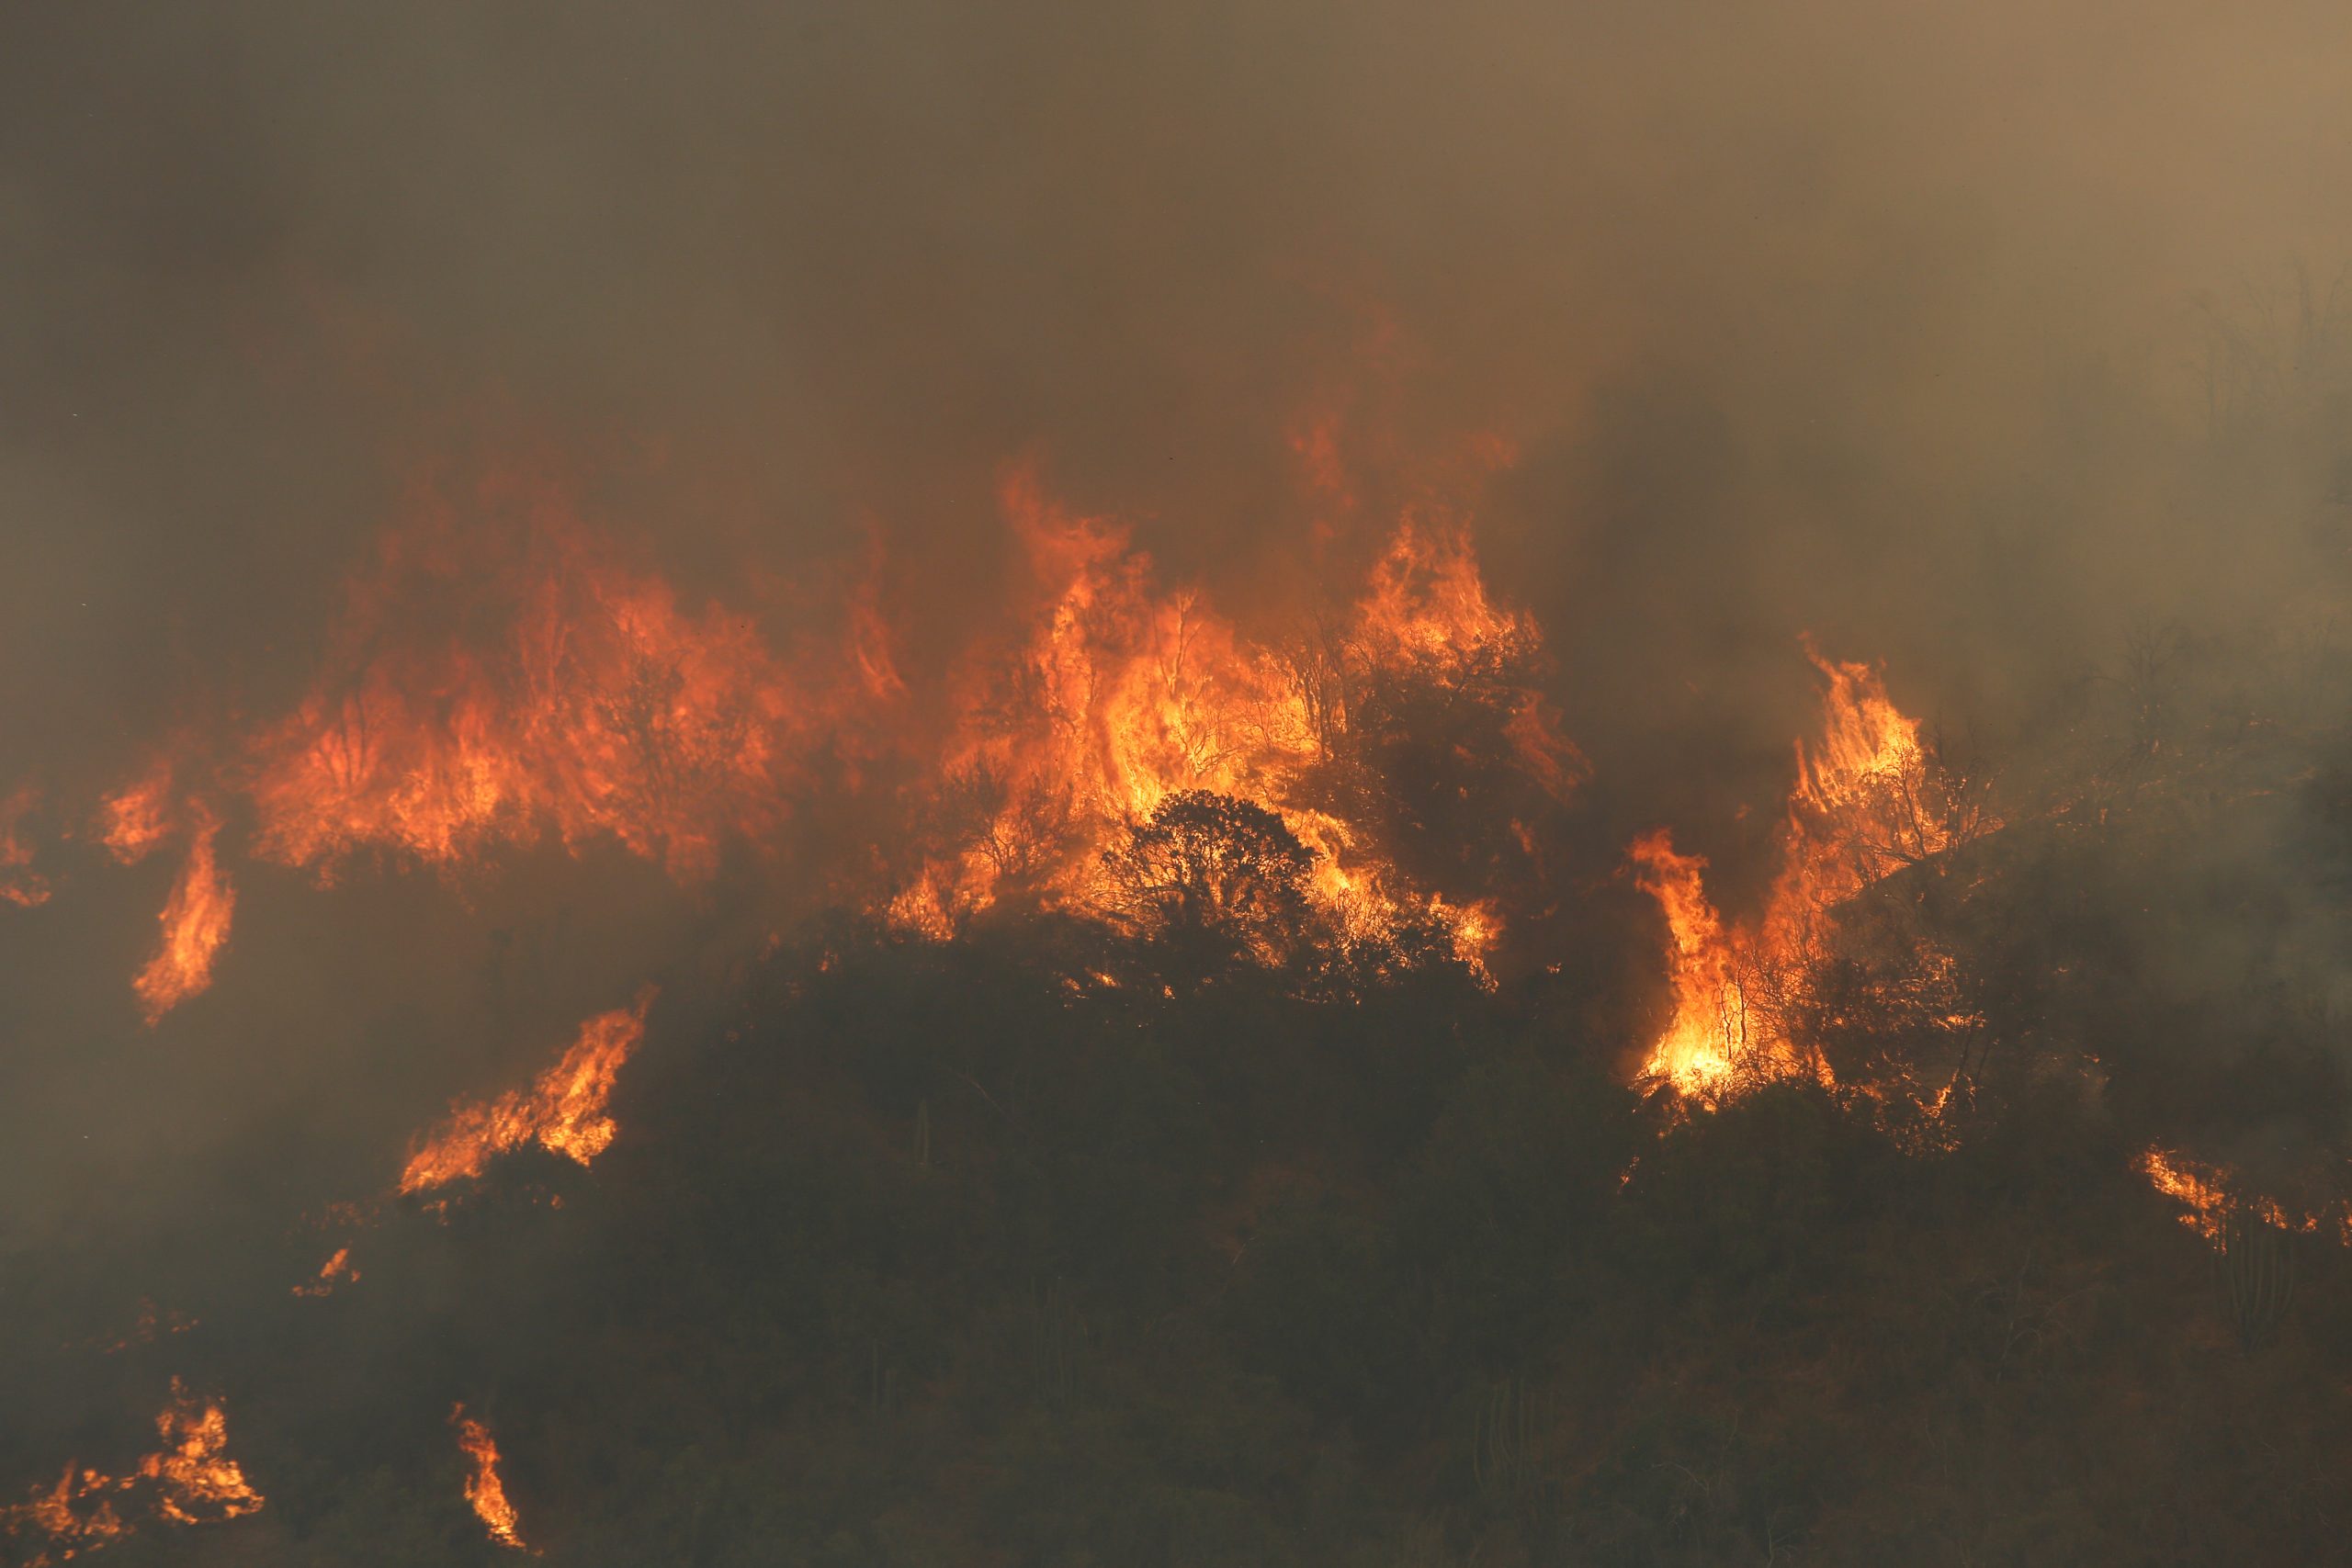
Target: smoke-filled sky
1915,326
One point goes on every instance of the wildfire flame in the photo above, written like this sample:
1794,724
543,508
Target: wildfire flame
196,925
137,818
500,677
563,1112
1122,699
198,1478
335,1270
1865,804
189,1480
1704,1041
484,1490
560,693
2197,1187
2209,1195
19,884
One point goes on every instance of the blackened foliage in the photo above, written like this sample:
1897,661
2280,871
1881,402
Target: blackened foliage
1215,874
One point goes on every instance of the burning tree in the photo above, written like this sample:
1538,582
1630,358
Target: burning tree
1214,870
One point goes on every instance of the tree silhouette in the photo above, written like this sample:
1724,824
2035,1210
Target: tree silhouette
1212,868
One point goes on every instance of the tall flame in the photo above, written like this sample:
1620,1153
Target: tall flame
1864,804
563,1112
196,925
484,1490
1704,1041
1122,697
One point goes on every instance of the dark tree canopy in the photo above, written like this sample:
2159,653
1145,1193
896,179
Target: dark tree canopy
1210,867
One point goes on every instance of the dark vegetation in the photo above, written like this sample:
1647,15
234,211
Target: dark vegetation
1061,1245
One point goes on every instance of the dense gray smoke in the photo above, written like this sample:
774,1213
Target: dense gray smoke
1966,338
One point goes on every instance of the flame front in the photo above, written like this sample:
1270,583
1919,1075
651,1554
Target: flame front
484,1490
2210,1194
563,1112
495,680
196,925
2198,1189
499,677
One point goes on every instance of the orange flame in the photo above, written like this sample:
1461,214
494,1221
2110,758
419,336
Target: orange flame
1427,603
74,1516
196,926
2207,1196
484,1490
563,1112
19,884
335,1270
1122,697
198,1478
189,1480
560,694
133,821
1702,1041
497,679
1864,804
2197,1187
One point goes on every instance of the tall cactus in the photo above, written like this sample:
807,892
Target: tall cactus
2257,1265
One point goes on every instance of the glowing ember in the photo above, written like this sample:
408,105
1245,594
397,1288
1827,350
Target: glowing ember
335,1270
189,1480
484,1490
563,1112
196,925
149,1322
19,884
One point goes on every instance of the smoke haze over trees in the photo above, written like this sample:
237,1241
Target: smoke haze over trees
1471,437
